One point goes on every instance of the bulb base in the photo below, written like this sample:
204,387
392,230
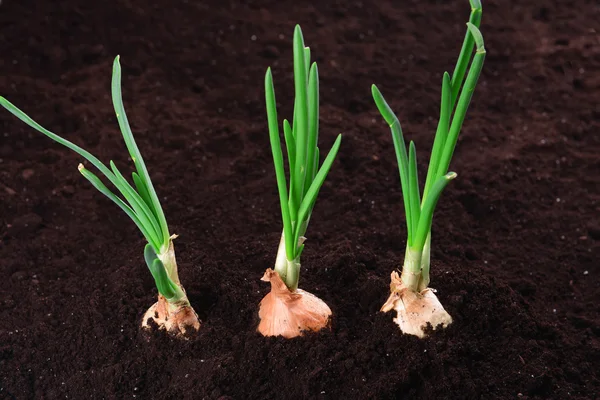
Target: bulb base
290,313
416,310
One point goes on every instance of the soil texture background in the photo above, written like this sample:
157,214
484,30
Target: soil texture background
516,237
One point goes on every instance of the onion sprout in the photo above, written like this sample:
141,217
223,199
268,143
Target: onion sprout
142,206
305,175
306,178
455,101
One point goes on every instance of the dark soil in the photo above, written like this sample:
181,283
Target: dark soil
516,236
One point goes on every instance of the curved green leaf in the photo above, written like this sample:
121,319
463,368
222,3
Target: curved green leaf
401,156
301,123
313,125
440,135
312,193
137,203
278,162
136,156
164,284
14,110
97,183
428,208
413,184
465,52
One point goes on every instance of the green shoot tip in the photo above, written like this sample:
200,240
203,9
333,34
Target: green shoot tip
450,175
269,77
298,36
80,167
477,36
475,4
383,106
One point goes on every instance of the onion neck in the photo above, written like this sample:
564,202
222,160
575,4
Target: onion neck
288,270
169,261
281,260
411,270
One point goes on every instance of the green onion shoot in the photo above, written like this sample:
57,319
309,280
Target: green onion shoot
172,311
415,303
287,310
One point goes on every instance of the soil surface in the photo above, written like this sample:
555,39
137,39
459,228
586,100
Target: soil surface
516,237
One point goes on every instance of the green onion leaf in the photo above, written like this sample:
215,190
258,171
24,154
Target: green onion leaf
141,188
313,125
401,156
440,135
428,207
477,36
306,60
164,284
475,4
97,183
463,104
136,202
311,195
290,144
300,250
413,184
149,226
301,120
465,52
85,154
278,161
383,106
316,163
136,156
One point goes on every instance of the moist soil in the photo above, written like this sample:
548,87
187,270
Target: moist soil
516,236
